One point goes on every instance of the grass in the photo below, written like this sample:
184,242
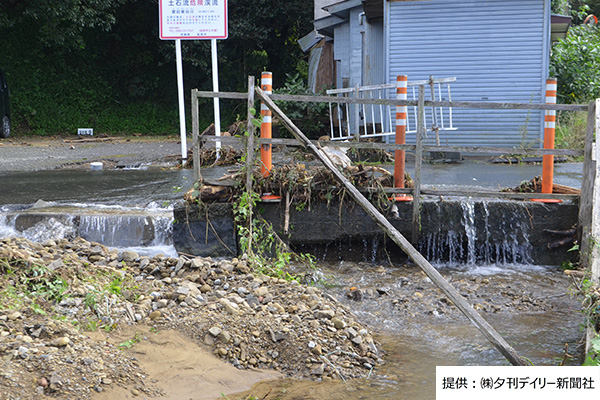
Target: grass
570,130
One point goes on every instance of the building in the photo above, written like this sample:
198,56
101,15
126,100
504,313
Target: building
498,50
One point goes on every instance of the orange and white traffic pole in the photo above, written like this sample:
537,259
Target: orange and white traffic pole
549,133
399,155
549,137
266,84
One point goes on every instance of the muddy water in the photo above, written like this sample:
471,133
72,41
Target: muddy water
529,306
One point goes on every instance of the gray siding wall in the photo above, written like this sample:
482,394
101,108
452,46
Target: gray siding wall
497,50
355,47
341,51
374,67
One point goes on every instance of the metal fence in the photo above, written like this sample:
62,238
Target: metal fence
376,120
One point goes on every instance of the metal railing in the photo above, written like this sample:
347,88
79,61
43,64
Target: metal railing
349,120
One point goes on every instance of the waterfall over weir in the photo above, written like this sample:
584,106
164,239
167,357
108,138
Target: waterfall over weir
452,231
113,226
486,233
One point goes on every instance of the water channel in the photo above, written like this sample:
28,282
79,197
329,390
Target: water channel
529,305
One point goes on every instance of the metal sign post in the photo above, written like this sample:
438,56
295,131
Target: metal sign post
215,78
200,20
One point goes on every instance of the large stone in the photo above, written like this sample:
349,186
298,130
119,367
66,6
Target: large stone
129,256
327,314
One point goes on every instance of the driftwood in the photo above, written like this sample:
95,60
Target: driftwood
563,189
209,193
88,140
488,331
535,186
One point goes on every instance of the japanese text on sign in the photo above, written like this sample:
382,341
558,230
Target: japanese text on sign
525,383
193,19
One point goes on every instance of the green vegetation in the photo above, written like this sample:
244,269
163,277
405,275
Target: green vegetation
575,62
131,342
593,356
311,118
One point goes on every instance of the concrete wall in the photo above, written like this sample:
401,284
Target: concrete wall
499,231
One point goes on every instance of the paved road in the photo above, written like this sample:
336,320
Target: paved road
33,154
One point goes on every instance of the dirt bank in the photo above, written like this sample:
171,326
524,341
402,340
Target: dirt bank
78,319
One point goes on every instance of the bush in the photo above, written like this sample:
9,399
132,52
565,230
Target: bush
311,118
575,62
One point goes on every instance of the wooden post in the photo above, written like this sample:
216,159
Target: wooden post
416,219
196,136
595,237
587,188
592,247
434,119
357,113
462,304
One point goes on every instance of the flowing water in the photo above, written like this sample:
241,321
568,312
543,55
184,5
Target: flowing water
417,328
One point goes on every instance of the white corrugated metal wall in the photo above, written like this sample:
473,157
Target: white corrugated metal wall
497,50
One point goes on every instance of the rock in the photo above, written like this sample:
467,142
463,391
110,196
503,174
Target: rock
144,262
357,340
224,337
56,264
26,339
261,292
61,342
205,288
14,316
135,392
215,331
129,256
183,290
229,307
324,314
351,333
338,323
155,315
162,303
318,370
222,351
55,379
317,350
22,351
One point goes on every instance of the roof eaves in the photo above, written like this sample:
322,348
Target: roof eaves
325,25
342,9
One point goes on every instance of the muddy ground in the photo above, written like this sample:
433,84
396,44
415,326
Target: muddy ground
42,153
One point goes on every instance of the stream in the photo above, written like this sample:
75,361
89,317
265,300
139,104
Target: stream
417,328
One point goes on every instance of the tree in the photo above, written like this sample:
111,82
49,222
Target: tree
59,22
575,62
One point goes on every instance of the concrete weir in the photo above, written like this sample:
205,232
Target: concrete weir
473,231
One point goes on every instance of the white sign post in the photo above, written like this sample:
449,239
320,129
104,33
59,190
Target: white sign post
200,20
